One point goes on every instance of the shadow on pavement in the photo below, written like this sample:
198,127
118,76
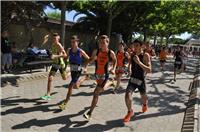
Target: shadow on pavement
162,113
74,125
96,127
7,102
22,110
166,101
107,91
56,120
10,80
11,101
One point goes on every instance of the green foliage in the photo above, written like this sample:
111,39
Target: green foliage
99,15
176,41
176,17
54,15
163,18
20,11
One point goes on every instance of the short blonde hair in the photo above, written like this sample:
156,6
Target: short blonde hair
55,34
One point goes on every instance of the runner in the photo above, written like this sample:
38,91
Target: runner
149,50
185,59
162,57
178,61
122,58
57,55
75,55
102,57
140,64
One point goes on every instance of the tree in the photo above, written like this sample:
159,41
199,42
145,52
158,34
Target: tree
54,15
61,5
175,17
150,18
134,19
20,11
98,14
63,10
29,12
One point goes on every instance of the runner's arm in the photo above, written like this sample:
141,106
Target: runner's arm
129,66
84,55
62,53
87,58
93,56
147,63
114,61
127,55
146,66
153,54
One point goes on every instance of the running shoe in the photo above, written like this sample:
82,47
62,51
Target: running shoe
46,97
62,106
114,83
116,89
87,115
144,108
128,116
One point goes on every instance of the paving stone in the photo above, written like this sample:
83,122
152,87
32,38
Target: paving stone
166,106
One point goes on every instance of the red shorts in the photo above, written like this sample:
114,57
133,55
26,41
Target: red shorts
120,70
101,79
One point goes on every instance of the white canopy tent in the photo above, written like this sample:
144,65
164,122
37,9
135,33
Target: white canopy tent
194,44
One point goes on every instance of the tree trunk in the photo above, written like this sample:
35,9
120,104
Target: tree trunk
145,36
29,30
154,40
63,10
109,25
167,40
127,37
161,40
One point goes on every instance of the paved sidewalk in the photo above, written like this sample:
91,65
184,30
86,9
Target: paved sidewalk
18,77
22,110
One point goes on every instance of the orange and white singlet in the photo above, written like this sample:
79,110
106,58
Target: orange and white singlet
120,58
102,62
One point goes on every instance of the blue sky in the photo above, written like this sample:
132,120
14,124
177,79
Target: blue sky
69,17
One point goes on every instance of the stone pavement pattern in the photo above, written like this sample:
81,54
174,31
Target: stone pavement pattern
22,109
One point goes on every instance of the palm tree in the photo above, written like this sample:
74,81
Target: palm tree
90,21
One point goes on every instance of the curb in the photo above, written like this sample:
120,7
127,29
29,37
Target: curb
15,79
191,120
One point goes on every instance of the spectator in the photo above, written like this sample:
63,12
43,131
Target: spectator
16,55
6,53
33,50
163,56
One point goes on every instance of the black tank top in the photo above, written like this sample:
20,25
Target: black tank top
178,56
137,71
